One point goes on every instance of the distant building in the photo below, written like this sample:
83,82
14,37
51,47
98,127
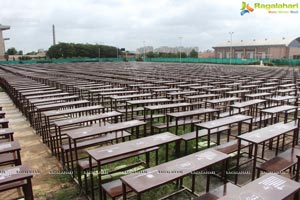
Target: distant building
2,46
261,49
166,49
206,54
145,49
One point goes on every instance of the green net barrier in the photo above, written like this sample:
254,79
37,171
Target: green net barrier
235,61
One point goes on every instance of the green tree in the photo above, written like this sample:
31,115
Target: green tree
12,51
193,54
72,50
150,54
20,52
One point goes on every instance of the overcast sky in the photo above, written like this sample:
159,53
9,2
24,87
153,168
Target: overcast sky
127,23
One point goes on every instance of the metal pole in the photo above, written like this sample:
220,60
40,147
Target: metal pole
180,38
99,53
117,54
144,50
230,46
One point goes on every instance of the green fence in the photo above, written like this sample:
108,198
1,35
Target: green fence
204,60
275,62
69,60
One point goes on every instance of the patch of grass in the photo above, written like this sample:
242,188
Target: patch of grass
73,193
1,89
60,178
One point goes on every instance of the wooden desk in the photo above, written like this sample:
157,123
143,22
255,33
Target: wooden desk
252,104
191,114
68,122
214,102
258,95
280,100
262,135
16,177
112,151
7,133
4,123
165,107
115,99
171,171
210,125
2,114
10,153
268,187
142,103
276,111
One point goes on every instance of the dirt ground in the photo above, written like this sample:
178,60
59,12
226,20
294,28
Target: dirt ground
38,157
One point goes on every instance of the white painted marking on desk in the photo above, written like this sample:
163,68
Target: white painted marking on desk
249,195
148,174
5,146
140,143
108,150
272,182
186,165
161,137
209,155
7,173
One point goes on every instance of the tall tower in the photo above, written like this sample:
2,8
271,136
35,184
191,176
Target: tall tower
2,47
53,34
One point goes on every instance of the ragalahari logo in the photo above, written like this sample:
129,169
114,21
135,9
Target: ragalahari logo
246,8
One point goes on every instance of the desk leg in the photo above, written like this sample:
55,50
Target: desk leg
124,190
260,119
197,134
193,183
298,170
208,139
239,128
208,179
28,190
99,181
238,161
92,178
254,161
167,152
177,149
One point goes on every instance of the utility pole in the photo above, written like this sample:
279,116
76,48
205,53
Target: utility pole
144,50
180,41
53,34
231,33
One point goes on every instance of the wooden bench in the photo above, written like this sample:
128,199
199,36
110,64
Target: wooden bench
147,117
4,122
219,192
114,189
257,120
2,114
83,164
7,134
282,162
202,133
106,138
173,124
10,153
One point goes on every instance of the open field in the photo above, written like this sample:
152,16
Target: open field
136,119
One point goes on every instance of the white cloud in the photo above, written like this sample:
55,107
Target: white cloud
127,23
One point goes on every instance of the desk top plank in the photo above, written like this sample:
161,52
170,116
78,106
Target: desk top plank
268,187
164,173
105,152
269,132
223,121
